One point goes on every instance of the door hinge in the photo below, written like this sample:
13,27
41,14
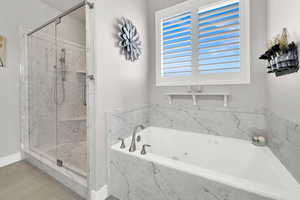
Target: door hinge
91,77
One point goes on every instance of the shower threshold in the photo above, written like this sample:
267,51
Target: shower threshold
69,171
72,180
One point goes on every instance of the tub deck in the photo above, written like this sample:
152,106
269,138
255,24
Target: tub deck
233,162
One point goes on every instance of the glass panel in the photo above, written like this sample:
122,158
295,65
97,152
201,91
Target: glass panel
71,92
42,84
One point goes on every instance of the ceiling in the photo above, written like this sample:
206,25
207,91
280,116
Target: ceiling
63,5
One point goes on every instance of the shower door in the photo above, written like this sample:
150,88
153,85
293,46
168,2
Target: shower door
41,89
57,92
71,87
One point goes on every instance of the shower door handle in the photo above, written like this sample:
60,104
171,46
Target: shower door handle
91,77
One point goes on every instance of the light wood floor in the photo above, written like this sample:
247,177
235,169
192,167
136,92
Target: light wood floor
21,181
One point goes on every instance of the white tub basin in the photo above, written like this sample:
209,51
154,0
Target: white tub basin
233,162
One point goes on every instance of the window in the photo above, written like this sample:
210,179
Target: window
200,44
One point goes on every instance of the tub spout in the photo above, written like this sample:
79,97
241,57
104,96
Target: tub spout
133,145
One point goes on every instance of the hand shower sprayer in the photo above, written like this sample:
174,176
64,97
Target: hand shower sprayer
59,100
62,61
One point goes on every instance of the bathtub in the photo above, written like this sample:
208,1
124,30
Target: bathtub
179,163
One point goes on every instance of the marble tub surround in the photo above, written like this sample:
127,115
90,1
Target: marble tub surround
136,179
212,159
241,123
284,141
121,124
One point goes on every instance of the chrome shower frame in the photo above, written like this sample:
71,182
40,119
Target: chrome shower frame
55,19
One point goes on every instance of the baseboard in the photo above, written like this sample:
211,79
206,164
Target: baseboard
7,160
101,194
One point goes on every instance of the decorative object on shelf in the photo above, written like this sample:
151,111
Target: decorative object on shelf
130,43
2,51
282,56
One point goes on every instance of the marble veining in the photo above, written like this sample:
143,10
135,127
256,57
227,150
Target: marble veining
121,124
57,110
51,131
284,141
135,179
127,184
229,122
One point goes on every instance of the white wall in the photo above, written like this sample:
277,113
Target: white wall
13,14
252,95
120,84
71,27
283,92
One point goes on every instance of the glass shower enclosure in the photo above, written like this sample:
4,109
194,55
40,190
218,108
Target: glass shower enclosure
57,85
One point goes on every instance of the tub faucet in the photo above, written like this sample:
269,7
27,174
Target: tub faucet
133,145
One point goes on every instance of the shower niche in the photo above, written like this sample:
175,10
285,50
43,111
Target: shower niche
57,93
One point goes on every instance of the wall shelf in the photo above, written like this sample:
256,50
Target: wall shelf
195,95
73,119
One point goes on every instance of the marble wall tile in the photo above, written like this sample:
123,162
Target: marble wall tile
229,122
284,141
40,117
121,124
41,80
71,131
50,129
134,179
57,108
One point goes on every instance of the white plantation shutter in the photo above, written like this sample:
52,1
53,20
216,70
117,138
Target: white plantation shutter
219,39
177,45
203,44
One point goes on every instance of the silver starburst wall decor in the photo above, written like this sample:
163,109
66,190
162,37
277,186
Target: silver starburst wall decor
130,43
2,51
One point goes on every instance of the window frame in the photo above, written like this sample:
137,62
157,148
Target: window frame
242,77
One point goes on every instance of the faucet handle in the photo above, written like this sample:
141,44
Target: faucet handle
122,143
143,152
